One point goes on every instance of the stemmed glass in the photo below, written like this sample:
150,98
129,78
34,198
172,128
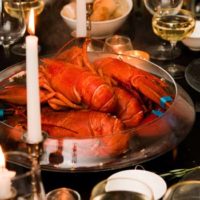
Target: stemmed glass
162,51
27,5
12,27
173,27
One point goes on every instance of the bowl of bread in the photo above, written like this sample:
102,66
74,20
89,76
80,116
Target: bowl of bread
106,18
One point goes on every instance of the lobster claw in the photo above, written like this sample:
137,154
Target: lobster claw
152,87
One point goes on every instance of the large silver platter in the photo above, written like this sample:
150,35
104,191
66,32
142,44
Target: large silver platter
144,143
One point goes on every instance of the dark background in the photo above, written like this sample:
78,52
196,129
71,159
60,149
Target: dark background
53,33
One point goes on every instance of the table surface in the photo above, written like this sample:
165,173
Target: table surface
53,33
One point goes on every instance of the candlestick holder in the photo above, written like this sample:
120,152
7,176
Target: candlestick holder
35,150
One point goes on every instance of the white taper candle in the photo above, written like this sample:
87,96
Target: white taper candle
34,133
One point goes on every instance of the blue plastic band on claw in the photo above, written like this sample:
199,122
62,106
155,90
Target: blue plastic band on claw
1,114
164,100
158,113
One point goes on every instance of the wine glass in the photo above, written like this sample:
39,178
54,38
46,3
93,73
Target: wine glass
12,27
163,51
117,188
173,27
27,5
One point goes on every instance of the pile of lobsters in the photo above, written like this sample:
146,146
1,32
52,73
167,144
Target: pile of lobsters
102,99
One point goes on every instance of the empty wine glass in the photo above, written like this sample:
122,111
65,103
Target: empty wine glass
162,51
12,27
173,27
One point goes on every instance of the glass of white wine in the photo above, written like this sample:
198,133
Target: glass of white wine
12,28
118,188
161,51
13,10
173,27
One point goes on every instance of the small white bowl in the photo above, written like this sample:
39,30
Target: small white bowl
193,41
100,29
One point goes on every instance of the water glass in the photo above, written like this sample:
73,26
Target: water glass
27,183
63,194
117,44
121,188
184,190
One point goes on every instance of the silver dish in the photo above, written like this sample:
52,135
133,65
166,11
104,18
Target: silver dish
145,142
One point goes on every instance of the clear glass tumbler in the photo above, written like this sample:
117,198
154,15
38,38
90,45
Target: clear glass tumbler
63,194
117,44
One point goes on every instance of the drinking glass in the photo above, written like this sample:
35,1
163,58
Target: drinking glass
117,44
121,188
27,5
173,27
63,194
185,190
163,51
12,27
27,183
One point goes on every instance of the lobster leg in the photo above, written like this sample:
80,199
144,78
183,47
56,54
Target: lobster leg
16,94
60,102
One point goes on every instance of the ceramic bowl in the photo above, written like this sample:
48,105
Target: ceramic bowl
193,41
100,29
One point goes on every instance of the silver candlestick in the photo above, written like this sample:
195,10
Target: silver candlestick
35,150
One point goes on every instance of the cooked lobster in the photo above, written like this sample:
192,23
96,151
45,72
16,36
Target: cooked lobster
75,87
103,132
129,108
132,77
